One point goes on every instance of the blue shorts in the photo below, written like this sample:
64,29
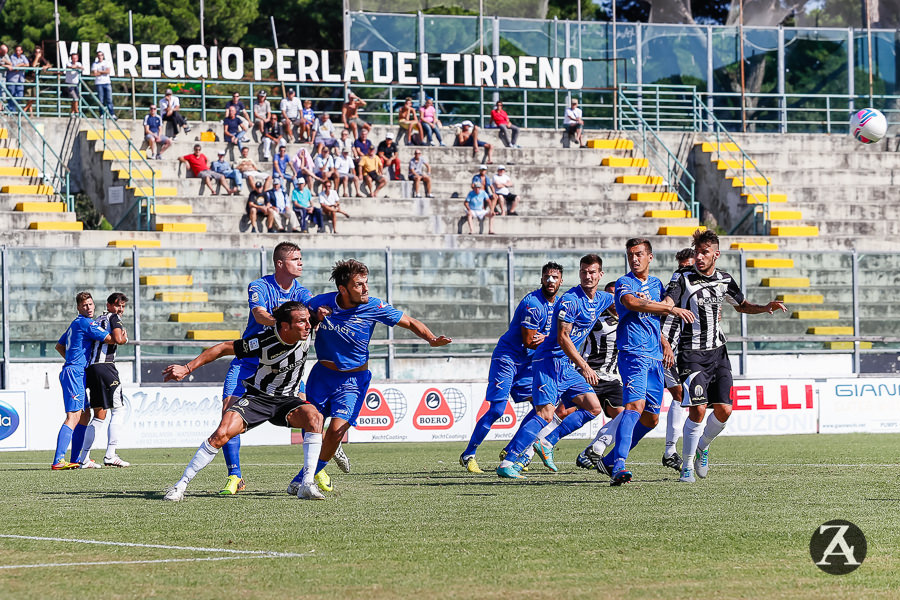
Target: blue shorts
74,395
556,379
508,378
642,379
337,395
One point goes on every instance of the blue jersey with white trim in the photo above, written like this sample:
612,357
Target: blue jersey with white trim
79,338
576,308
533,312
638,332
266,293
343,336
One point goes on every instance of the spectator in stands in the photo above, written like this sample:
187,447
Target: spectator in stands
199,166
221,165
502,183
301,202
350,115
346,173
430,123
170,109
155,139
468,136
38,63
304,167
262,111
345,143
273,133
257,206
325,137
477,207
73,79
235,128
501,120
573,123
487,185
283,216
309,122
15,76
371,173
361,149
420,170
240,109
280,165
291,115
324,164
251,171
409,123
389,153
331,204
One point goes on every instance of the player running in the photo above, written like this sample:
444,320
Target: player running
560,373
510,372
703,364
272,393
340,379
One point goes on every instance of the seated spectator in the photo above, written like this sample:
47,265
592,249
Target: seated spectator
361,149
502,183
468,136
291,115
39,63
280,165
251,171
257,206
235,128
272,134
346,173
573,124
170,107
501,120
240,110
73,79
389,153
430,123
371,169
309,122
331,204
304,168
420,170
301,202
222,166
283,216
409,123
199,166
157,141
324,166
324,130
345,143
262,112
487,185
476,204
350,115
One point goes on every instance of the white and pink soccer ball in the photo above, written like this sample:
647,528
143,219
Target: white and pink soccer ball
868,125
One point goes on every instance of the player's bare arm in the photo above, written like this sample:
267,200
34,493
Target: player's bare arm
668,355
532,338
564,338
179,372
61,349
262,316
119,337
757,309
421,330
666,307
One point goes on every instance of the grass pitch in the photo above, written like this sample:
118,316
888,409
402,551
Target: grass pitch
409,522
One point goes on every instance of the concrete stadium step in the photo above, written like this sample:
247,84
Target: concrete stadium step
27,189
821,315
41,207
754,246
11,152
27,172
22,220
759,198
197,317
152,262
110,134
213,334
770,263
56,225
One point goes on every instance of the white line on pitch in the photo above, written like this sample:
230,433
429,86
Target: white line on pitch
132,562
160,546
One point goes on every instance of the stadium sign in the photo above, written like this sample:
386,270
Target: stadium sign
12,421
154,61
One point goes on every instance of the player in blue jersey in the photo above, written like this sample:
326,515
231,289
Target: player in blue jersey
560,373
510,373
265,295
640,304
340,378
75,347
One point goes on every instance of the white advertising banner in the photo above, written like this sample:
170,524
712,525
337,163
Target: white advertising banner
859,405
13,421
773,407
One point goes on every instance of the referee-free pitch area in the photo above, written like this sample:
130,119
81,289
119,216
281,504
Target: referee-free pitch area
409,522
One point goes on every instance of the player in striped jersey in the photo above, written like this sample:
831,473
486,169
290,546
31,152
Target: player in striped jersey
703,364
102,380
272,393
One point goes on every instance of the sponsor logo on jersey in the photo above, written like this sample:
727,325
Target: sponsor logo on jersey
253,344
9,420
375,414
433,411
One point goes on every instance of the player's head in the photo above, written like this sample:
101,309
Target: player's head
115,303
292,322
639,253
685,258
590,270
551,278
706,251
84,302
610,287
352,280
288,259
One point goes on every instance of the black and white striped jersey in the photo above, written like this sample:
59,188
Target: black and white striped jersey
100,352
599,349
280,367
704,296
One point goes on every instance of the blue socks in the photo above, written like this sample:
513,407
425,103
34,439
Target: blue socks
232,453
573,422
62,443
77,441
321,465
624,434
483,427
638,431
525,436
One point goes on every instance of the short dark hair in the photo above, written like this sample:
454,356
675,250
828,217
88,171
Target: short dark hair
610,284
81,297
344,270
116,297
283,249
705,236
637,242
591,259
283,313
551,266
684,254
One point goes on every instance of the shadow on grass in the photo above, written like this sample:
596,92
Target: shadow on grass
158,494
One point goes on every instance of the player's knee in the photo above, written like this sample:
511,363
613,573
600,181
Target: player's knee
496,409
218,439
722,411
649,420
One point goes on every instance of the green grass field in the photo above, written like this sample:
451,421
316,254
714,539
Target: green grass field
408,522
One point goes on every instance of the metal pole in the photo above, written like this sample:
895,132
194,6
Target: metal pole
262,261
743,88
136,308
744,345
131,41
389,296
510,283
869,52
202,10
615,63
346,11
856,333
4,259
782,99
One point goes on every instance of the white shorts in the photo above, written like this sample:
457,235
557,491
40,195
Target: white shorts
479,213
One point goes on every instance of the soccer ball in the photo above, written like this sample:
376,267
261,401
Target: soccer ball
868,125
